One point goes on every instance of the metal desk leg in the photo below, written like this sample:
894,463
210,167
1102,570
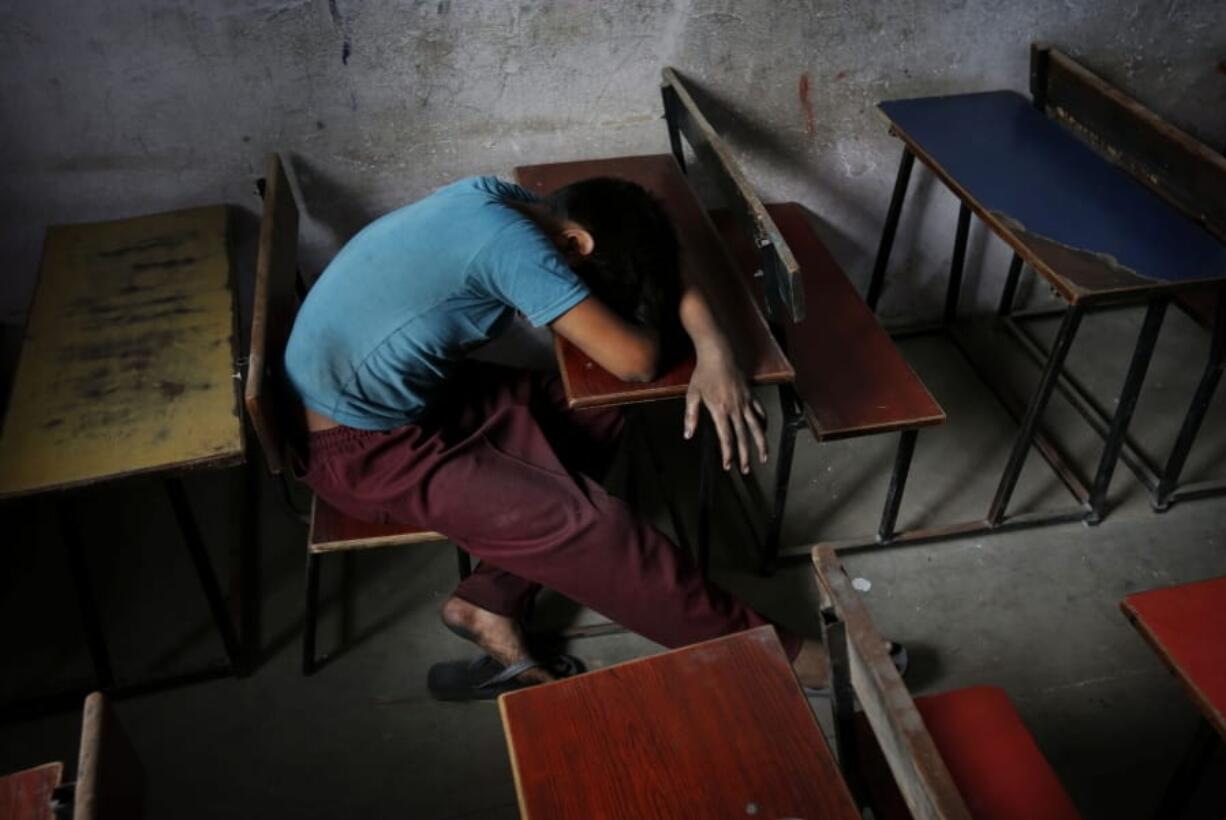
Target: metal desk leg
1196,412
955,264
91,618
1010,291
204,570
1127,404
708,474
310,614
891,225
793,421
1191,768
1025,435
898,483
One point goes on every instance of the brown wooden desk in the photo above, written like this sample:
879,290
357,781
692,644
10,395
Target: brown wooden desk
128,367
1186,626
718,729
27,795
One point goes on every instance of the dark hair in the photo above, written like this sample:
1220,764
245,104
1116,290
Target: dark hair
634,266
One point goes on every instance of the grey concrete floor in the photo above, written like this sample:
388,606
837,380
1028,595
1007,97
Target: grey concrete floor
1033,611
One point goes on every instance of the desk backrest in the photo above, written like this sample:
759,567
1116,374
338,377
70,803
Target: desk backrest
110,778
784,290
272,315
861,663
1184,171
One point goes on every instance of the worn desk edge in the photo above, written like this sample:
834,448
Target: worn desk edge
1074,295
1207,707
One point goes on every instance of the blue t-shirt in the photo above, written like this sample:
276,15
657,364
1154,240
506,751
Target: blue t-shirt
413,292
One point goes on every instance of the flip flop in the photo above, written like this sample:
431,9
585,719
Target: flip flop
484,678
898,654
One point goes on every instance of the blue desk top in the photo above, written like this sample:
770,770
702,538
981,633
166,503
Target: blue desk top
1097,229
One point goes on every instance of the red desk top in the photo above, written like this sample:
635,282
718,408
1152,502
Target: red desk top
717,729
1186,625
27,795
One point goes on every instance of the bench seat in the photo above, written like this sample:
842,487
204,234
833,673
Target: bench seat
850,376
334,531
994,761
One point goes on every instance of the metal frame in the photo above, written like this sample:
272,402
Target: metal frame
1190,770
106,680
1091,497
1162,482
310,615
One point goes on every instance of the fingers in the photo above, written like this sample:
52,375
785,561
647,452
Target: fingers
742,440
753,419
693,401
724,431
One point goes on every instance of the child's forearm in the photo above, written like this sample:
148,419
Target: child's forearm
701,326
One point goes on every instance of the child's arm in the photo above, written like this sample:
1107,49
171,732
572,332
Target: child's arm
719,384
626,350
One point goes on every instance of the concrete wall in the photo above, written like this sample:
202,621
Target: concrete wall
111,109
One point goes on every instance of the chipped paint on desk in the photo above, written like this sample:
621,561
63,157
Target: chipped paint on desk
128,360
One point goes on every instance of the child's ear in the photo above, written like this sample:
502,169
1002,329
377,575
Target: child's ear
576,242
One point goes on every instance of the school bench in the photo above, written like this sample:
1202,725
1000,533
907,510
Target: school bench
127,370
719,729
1187,175
851,380
842,376
959,754
1186,626
1066,179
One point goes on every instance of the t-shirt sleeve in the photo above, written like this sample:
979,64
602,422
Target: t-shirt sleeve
521,268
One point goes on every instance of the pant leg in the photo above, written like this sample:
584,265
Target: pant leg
585,441
488,477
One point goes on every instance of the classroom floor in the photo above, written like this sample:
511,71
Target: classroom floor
1034,611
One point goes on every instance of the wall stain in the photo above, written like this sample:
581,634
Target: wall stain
806,105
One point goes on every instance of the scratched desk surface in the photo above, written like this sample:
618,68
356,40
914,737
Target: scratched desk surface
128,360
1094,228
704,260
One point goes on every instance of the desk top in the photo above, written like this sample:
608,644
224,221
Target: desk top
128,363
26,795
1186,625
1084,224
704,261
712,730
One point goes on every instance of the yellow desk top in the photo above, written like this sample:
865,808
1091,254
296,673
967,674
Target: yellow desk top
128,363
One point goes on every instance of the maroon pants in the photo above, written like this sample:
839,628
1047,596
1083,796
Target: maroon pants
503,469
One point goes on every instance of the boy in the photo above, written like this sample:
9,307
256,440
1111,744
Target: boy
403,429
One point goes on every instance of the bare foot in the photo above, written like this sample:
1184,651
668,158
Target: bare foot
498,635
812,666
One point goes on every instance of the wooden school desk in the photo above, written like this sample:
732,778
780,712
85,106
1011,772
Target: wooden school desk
127,368
719,729
1092,231
1186,626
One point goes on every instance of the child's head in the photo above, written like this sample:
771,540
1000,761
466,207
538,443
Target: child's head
632,263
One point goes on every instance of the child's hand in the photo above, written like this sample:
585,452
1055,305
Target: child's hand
719,384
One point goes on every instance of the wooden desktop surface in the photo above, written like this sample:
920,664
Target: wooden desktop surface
704,261
1186,626
26,795
719,729
1087,226
128,362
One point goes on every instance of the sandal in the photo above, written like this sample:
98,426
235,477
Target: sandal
484,678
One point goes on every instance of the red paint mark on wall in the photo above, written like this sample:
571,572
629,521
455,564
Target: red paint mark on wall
806,105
